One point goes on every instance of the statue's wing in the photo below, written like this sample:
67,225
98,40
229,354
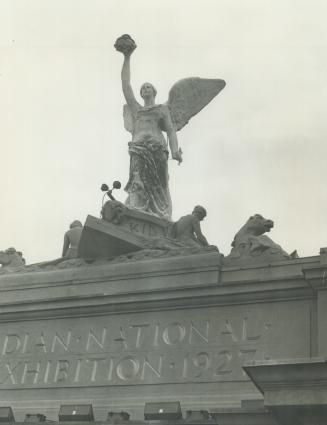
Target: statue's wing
188,96
128,118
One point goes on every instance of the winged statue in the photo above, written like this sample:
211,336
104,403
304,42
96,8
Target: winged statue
147,186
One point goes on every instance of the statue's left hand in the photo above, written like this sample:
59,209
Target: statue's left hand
178,155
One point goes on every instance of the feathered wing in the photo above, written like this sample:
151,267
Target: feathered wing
188,96
128,118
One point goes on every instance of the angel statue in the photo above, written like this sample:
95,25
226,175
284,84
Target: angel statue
147,186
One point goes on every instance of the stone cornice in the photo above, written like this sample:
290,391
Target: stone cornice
166,283
274,377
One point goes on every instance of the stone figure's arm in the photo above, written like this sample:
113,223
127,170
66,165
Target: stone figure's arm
126,84
66,245
176,153
197,230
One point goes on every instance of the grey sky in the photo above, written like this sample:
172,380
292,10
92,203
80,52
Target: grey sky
259,147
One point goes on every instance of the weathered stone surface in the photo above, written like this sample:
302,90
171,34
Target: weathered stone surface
152,330
250,244
71,240
294,390
134,221
10,258
243,416
103,239
147,186
132,230
316,275
200,346
188,229
323,255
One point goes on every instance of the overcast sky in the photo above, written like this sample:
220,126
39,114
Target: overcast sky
258,147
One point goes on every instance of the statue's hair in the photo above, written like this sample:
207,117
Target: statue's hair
153,88
75,223
201,210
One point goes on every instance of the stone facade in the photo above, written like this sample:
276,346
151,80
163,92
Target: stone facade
179,328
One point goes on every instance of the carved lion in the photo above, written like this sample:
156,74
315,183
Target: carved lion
250,242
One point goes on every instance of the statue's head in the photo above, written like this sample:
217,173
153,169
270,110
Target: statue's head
148,90
199,212
258,225
76,223
255,226
11,251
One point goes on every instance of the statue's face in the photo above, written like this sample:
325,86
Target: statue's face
148,90
201,216
200,213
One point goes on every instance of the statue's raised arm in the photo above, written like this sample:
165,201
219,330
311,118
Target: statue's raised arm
126,45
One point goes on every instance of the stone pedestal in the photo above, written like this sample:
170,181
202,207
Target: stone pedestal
102,239
130,232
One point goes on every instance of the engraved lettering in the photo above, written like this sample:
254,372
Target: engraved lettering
58,340
47,371
202,362
78,369
10,373
245,336
228,330
173,334
92,337
156,371
12,343
95,367
204,335
111,368
122,338
224,360
26,338
34,371
152,231
185,366
144,228
134,227
138,333
128,368
40,344
248,353
132,350
61,373
156,336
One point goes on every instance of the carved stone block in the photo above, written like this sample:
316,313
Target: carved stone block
102,239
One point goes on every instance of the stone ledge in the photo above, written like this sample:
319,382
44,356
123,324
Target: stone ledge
165,283
240,416
291,381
